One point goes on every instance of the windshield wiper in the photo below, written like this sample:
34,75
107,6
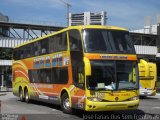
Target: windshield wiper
94,88
97,50
127,88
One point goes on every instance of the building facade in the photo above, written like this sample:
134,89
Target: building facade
87,18
5,56
147,44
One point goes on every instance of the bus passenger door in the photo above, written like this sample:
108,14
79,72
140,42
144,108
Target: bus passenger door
78,94
77,64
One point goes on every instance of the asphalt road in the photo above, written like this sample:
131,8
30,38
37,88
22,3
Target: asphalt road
13,109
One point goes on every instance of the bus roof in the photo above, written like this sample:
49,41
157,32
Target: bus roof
75,27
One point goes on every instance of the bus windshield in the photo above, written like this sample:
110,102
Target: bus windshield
107,41
113,75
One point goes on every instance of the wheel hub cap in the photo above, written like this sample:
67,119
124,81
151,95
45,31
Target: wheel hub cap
66,104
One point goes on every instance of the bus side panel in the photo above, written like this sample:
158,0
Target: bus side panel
20,78
43,91
77,97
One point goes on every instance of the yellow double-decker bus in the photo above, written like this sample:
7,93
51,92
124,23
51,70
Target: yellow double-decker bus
147,78
93,68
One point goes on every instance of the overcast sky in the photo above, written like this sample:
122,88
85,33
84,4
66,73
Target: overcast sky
124,13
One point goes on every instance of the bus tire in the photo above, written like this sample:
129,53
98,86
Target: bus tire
21,95
65,104
143,97
26,96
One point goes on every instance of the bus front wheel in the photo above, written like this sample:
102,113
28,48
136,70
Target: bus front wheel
65,104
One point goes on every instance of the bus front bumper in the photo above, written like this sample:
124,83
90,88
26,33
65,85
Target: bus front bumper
147,92
111,106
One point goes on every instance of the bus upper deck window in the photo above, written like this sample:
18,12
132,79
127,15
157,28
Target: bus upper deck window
75,40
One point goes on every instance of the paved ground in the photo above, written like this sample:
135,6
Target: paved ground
11,107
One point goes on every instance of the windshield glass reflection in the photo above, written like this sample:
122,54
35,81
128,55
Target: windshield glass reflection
107,41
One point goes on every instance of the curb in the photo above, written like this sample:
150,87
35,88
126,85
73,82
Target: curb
4,91
2,94
157,93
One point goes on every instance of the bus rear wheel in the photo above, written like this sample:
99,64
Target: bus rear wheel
21,95
26,96
65,104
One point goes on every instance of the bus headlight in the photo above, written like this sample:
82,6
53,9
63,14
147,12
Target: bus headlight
134,98
95,99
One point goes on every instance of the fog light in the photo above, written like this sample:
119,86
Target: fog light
95,99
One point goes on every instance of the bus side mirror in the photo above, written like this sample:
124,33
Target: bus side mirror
87,67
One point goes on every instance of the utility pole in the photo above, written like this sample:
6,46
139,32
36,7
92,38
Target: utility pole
68,5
